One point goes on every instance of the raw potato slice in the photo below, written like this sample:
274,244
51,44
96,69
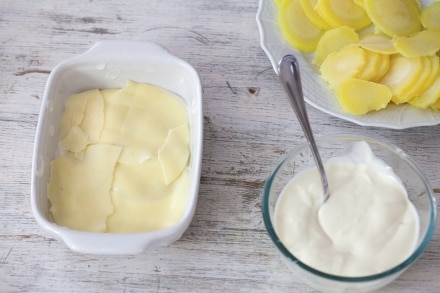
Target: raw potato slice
401,76
378,43
343,12
358,97
436,105
431,92
147,214
297,28
79,191
430,16
340,65
333,40
423,43
394,17
424,80
309,10
373,63
173,155
382,69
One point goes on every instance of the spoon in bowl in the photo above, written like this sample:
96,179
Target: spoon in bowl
290,79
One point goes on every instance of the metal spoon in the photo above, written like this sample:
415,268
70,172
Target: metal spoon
290,79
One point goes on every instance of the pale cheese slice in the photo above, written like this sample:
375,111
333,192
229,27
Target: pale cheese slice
93,120
75,140
82,120
138,118
73,113
140,210
173,155
79,190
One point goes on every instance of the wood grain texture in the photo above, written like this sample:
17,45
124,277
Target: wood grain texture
248,126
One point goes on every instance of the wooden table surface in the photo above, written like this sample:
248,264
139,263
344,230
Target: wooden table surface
248,126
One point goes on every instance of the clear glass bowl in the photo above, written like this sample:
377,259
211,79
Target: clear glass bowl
419,192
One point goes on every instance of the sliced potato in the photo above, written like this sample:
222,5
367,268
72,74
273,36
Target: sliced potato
430,16
297,28
373,62
340,65
358,97
378,43
309,10
343,12
423,43
394,17
333,40
401,76
382,69
430,89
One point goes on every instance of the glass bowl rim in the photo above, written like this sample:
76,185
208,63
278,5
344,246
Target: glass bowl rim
396,269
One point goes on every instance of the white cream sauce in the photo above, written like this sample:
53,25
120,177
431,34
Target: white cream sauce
367,226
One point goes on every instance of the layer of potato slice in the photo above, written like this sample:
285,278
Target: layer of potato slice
373,63
423,43
430,16
340,65
311,13
343,12
378,43
358,97
401,76
333,40
297,28
394,17
429,91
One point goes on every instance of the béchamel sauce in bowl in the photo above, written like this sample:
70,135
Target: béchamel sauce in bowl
378,220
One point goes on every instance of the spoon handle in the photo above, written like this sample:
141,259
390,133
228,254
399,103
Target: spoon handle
291,80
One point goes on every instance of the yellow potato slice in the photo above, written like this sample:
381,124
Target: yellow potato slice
423,43
430,16
297,29
436,105
340,65
358,97
382,69
360,3
423,80
309,10
373,63
378,43
343,12
394,17
333,40
401,76
430,89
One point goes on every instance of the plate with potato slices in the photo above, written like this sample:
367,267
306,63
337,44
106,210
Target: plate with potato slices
371,62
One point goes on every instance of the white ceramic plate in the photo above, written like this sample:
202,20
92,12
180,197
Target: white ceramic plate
109,64
317,93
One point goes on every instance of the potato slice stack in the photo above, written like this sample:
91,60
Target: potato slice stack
370,52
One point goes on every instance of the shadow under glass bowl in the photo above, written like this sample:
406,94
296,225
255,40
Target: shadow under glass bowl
415,182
